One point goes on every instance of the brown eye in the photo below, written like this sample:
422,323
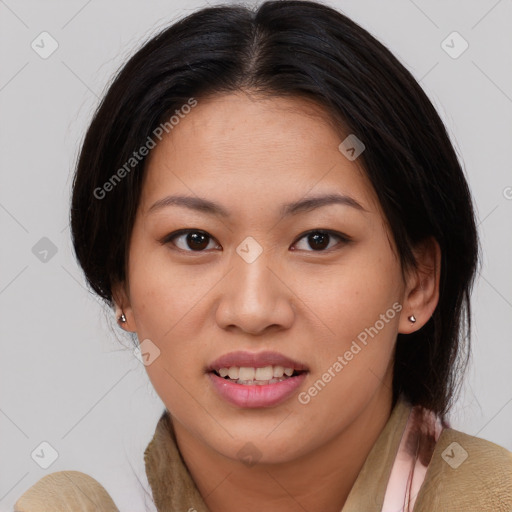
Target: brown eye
190,240
319,240
197,241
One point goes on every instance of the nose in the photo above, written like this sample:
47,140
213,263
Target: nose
255,298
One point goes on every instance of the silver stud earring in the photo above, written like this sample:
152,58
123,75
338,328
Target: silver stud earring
411,319
122,318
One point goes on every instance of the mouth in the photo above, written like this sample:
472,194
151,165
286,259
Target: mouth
256,379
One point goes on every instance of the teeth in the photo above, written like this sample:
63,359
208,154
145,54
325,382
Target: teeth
233,372
266,373
278,371
259,382
245,373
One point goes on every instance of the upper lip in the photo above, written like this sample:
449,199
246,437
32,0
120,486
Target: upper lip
255,360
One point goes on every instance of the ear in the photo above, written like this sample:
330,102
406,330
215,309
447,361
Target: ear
121,297
422,286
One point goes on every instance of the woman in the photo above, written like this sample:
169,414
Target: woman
272,206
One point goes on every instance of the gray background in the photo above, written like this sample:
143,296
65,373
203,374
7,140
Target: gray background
67,374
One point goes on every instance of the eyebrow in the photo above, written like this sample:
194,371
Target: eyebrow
286,210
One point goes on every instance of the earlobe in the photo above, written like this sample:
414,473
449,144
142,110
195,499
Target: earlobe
422,287
123,311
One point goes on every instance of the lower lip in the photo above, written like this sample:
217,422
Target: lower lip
266,395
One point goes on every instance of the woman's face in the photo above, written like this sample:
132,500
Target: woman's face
250,280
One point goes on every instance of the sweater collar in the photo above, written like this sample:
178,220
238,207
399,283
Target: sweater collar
174,489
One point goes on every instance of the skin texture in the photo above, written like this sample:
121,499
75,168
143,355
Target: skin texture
252,154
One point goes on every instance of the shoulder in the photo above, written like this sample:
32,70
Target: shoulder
467,473
65,491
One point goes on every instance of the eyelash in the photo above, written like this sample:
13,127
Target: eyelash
172,236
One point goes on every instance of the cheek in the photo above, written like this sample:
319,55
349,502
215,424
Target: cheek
165,304
168,304
161,293
359,311
345,300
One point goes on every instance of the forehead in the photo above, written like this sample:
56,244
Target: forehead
260,147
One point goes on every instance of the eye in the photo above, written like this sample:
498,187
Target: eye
320,240
193,240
